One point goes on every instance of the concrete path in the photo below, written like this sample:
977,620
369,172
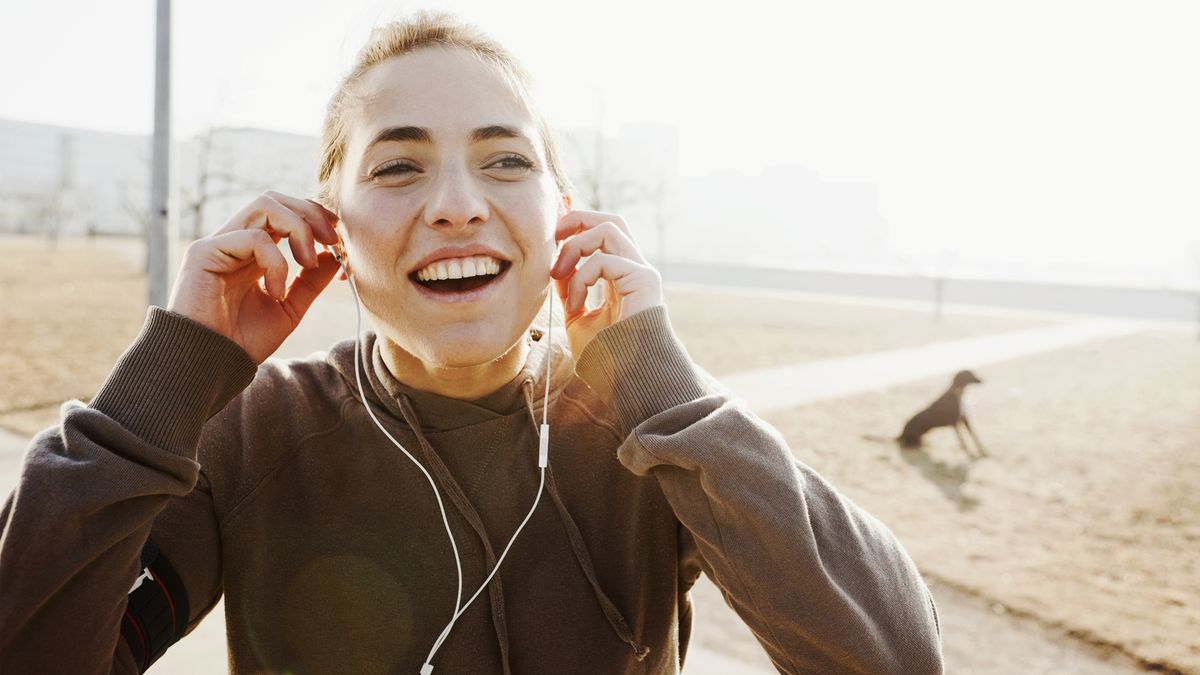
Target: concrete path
771,389
12,449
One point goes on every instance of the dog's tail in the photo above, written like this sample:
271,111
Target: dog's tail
880,439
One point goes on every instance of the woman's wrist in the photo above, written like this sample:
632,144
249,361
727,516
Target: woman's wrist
640,368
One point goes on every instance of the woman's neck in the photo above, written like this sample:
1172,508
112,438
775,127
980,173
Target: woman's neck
461,382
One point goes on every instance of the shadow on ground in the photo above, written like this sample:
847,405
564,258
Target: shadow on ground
948,478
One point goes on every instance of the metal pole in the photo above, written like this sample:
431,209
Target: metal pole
157,239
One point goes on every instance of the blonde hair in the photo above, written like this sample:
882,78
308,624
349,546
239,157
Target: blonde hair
424,29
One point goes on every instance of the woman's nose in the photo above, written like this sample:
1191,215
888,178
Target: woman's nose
455,201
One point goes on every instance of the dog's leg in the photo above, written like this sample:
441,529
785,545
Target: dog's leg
978,445
961,443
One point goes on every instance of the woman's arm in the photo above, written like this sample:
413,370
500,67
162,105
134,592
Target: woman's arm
823,585
73,543
82,590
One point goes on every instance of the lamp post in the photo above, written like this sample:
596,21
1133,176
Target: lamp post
158,241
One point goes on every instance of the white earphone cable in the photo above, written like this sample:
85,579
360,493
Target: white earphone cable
543,460
544,439
363,397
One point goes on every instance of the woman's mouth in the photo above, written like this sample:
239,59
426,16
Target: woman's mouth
460,279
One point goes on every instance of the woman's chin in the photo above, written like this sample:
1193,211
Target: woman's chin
460,349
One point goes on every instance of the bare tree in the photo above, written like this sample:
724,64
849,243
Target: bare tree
196,206
604,184
602,174
133,203
212,185
60,206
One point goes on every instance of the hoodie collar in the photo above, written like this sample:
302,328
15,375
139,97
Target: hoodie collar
443,413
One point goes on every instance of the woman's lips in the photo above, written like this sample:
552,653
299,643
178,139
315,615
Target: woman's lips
464,296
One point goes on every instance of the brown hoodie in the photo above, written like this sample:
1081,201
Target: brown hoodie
329,547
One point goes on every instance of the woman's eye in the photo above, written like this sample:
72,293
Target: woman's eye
511,162
394,169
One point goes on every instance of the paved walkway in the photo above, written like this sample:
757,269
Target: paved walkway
766,390
12,448
771,389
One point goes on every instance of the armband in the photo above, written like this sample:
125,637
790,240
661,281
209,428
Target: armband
157,613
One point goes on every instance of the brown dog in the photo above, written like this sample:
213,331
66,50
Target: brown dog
946,411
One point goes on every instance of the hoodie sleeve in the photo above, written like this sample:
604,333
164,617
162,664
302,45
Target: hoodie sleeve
87,586
824,586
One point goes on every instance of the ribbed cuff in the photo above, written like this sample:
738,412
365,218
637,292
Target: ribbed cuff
174,376
639,367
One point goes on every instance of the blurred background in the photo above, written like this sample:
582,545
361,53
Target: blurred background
848,202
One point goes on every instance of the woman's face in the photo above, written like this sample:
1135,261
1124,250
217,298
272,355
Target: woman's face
444,165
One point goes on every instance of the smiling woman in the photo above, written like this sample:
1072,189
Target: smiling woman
352,506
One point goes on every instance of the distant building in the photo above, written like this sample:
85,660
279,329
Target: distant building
70,181
59,180
787,216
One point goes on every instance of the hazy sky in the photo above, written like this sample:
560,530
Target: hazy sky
1034,131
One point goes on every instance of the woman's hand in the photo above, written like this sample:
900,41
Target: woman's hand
630,283
219,281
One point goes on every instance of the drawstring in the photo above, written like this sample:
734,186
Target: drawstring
615,619
468,512
614,616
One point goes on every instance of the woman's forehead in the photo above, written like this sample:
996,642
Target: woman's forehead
448,91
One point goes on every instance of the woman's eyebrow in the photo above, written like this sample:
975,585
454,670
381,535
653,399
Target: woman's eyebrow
423,135
497,131
401,135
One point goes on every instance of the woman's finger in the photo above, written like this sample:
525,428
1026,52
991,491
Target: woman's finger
605,237
308,285
625,275
563,287
233,251
319,218
265,213
573,222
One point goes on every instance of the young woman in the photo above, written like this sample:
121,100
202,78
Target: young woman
202,469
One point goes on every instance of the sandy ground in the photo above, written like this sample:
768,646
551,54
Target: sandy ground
1070,548
1086,515
67,314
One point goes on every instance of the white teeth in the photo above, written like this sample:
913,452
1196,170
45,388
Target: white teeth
459,268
